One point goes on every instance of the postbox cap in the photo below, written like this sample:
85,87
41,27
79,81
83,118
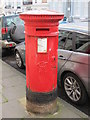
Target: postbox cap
41,14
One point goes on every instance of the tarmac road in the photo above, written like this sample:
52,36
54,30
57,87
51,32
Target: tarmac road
9,58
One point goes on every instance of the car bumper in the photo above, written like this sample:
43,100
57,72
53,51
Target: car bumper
6,44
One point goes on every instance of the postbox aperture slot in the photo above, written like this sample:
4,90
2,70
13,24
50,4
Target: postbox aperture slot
42,29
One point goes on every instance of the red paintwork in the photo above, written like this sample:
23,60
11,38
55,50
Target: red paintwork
9,45
4,30
41,68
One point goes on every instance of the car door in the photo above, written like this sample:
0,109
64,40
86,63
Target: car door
65,47
81,55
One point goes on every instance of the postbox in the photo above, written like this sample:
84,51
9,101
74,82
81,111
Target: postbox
41,42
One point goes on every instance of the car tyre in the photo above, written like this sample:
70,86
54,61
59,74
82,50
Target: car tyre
19,61
74,89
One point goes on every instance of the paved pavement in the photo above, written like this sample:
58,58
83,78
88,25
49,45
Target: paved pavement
12,97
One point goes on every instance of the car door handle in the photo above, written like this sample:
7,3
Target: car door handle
61,57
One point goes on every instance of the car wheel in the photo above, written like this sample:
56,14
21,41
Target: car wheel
19,61
74,88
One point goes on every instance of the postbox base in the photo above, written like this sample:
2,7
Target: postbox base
48,108
42,98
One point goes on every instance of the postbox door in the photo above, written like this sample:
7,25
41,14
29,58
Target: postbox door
42,66
47,63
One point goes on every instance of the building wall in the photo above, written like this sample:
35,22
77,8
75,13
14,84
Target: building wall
74,8
10,6
1,6
37,5
71,8
56,5
80,8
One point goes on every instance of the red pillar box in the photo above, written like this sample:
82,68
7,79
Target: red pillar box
41,37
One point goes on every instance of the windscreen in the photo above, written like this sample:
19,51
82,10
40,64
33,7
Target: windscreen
7,21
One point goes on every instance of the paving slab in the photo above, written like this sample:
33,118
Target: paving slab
13,109
0,98
14,92
0,72
0,111
8,71
8,74
64,111
0,89
14,81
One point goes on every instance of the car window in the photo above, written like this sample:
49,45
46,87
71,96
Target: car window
15,19
0,28
82,43
65,40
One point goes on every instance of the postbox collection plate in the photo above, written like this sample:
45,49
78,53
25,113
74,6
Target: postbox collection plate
42,45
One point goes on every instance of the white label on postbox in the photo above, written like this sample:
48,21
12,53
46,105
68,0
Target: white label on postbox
42,45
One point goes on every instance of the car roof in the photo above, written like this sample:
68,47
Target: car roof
80,27
11,15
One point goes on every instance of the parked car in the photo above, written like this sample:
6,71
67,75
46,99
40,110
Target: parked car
11,30
73,56
73,60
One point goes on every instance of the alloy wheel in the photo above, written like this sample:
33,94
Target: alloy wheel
72,88
18,60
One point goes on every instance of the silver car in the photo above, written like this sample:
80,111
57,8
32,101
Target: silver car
73,60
